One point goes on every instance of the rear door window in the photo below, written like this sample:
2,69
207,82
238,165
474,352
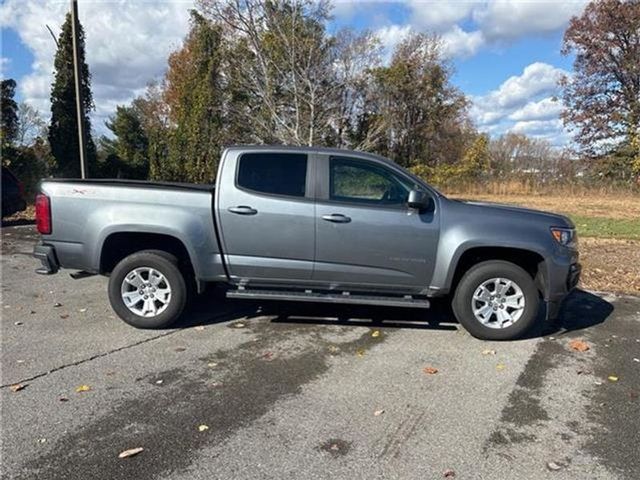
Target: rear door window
273,173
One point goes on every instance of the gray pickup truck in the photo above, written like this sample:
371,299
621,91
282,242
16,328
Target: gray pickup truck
308,224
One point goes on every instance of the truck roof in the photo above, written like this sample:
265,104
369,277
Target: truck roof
306,149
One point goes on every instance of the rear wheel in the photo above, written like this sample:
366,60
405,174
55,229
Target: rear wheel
147,289
496,300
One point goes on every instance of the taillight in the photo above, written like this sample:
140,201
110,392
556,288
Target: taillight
43,214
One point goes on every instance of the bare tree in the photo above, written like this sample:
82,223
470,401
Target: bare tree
356,55
283,59
30,124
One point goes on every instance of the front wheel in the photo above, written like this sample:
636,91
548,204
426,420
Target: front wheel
496,300
148,290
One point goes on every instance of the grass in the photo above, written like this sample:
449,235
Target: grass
602,227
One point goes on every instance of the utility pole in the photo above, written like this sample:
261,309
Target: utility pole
76,75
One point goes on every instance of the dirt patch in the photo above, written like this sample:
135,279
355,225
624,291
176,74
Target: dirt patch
610,265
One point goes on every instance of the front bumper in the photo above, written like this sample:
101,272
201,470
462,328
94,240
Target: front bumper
571,281
47,256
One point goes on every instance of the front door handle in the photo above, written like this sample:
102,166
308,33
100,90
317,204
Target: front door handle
243,210
336,218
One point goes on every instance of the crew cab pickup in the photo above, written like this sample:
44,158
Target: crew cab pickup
308,224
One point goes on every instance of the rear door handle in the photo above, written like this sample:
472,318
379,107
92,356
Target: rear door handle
243,210
336,218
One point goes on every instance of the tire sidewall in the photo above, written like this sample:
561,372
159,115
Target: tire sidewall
166,265
479,274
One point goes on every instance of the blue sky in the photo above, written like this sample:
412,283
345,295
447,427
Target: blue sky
506,53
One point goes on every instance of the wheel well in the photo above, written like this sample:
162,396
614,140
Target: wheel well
531,262
120,245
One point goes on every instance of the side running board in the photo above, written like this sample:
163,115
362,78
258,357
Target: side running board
310,296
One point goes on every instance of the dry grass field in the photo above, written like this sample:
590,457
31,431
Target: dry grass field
608,229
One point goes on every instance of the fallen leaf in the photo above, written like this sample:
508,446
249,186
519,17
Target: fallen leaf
159,382
334,447
333,349
360,352
180,349
500,367
83,388
42,440
375,333
430,370
578,346
612,378
17,387
636,360
268,356
202,428
131,452
553,466
57,304
212,364
82,310
448,473
239,325
488,352
63,399
17,324
64,315
377,413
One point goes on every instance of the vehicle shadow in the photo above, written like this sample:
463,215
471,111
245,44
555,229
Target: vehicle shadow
581,310
213,307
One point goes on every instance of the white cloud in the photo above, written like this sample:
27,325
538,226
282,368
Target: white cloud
439,15
458,43
510,19
545,109
536,79
4,63
525,104
127,45
390,36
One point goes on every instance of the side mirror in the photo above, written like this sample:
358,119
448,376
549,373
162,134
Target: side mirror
418,200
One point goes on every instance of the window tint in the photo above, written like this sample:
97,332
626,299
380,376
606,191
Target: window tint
364,182
274,173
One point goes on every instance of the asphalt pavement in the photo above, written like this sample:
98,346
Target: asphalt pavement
280,391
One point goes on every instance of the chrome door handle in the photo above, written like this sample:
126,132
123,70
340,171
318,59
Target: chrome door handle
336,218
243,210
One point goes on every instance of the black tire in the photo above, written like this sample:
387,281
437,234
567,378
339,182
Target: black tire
167,265
472,279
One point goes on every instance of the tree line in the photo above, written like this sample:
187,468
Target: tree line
269,72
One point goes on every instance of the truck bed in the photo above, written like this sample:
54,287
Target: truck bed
207,187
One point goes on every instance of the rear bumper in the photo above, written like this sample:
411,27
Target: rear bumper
47,256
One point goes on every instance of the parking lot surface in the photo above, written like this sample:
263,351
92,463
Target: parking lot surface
273,391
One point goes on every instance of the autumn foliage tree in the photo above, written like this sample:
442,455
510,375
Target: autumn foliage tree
602,97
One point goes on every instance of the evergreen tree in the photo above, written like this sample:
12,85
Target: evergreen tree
9,119
63,130
130,144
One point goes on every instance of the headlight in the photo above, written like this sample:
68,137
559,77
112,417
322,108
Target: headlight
565,236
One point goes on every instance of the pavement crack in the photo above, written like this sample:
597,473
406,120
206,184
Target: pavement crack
89,359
